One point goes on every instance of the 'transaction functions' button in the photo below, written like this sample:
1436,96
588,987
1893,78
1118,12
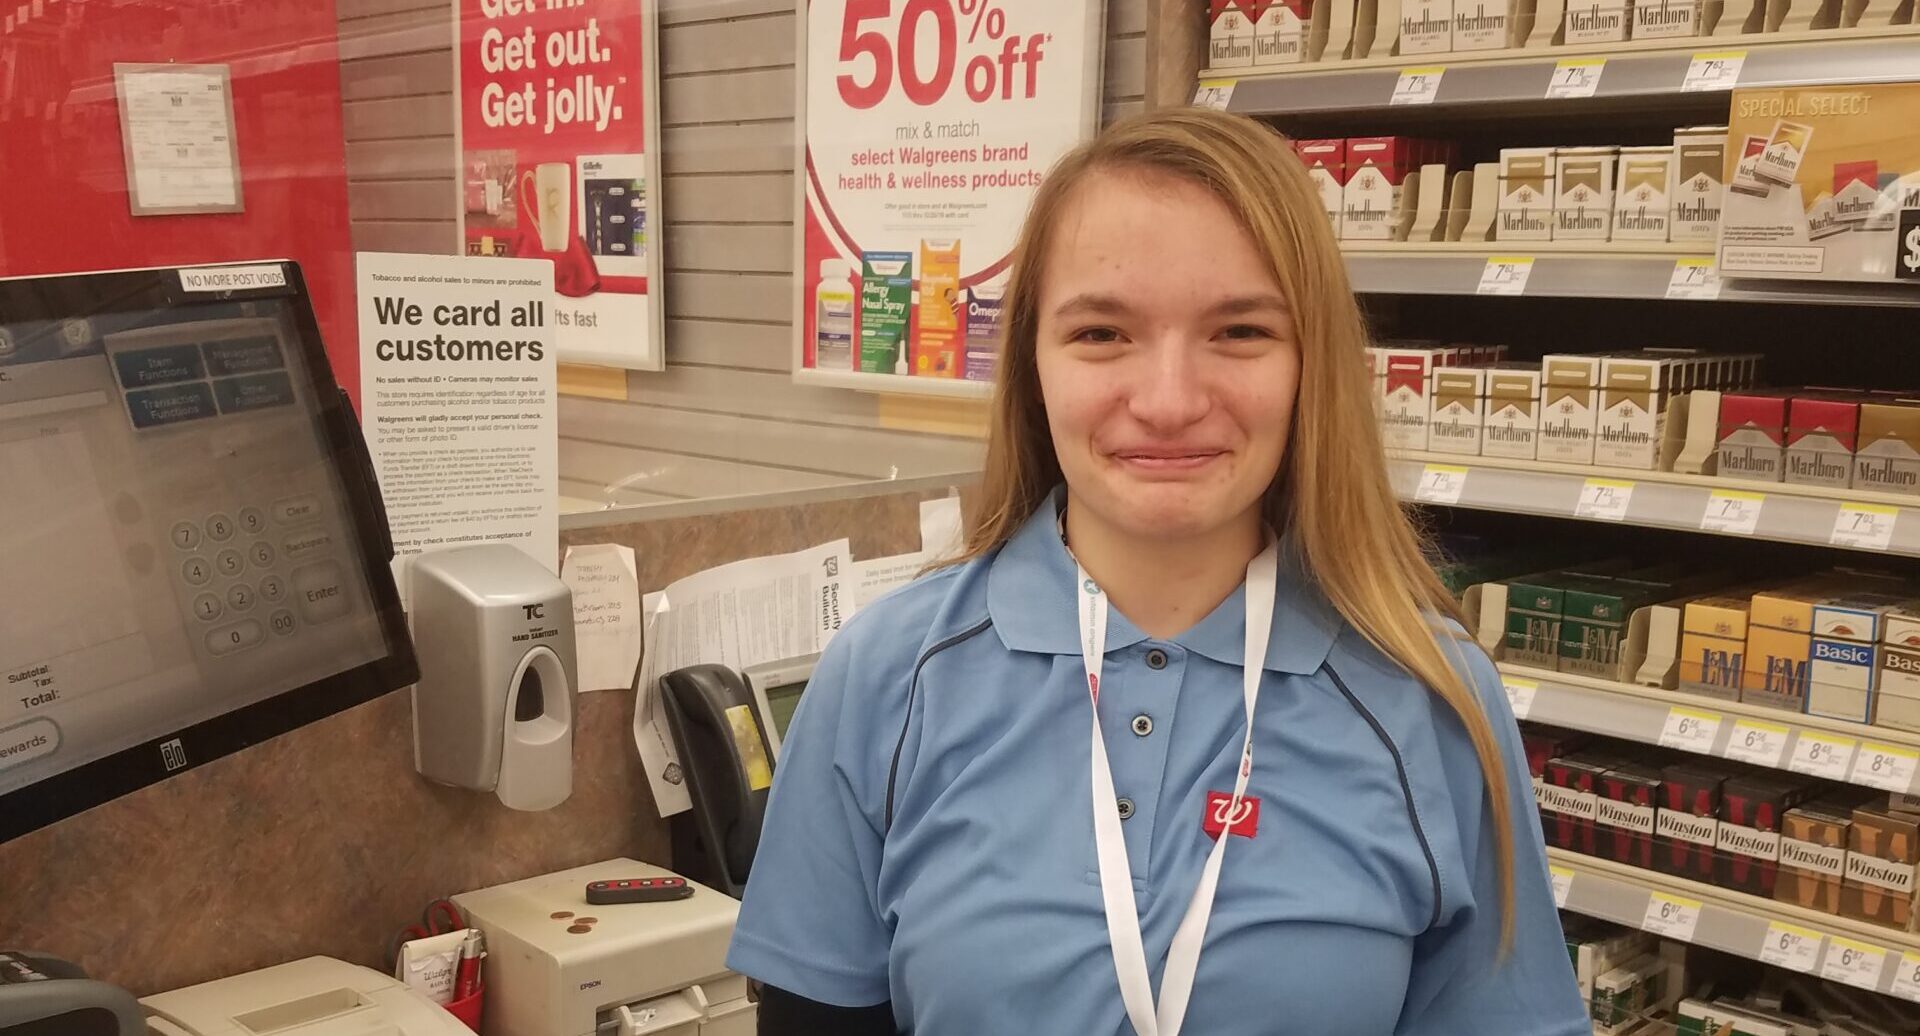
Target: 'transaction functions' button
155,408
34,739
321,590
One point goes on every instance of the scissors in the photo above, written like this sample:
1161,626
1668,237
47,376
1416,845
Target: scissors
440,918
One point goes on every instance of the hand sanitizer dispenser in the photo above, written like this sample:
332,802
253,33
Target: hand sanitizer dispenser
493,710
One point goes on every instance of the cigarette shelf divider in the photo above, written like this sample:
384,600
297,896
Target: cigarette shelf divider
1791,513
1729,921
1586,270
1638,71
1634,713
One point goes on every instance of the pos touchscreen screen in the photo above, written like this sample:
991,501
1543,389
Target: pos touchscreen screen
193,556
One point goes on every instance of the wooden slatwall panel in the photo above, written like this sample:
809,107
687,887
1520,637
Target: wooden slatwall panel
725,418
396,84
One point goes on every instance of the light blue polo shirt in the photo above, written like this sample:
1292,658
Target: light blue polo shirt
930,839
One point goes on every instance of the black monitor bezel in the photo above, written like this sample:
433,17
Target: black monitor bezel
81,788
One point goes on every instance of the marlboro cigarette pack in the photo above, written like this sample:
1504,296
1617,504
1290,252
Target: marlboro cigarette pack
1231,30
1821,435
1888,457
1753,433
1569,394
1513,412
1377,168
1458,410
1326,162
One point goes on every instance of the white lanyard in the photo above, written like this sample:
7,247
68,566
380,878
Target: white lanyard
1116,875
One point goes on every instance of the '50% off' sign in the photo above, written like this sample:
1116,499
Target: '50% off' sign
919,52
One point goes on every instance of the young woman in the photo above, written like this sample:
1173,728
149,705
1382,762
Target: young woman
1187,737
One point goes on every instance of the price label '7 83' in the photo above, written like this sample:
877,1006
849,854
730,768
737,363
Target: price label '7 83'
1441,484
1417,85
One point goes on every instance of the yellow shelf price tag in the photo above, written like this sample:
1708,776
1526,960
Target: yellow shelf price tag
1730,510
1714,70
1417,85
1886,767
1215,94
1867,526
1576,77
1674,917
1822,755
1854,963
1505,275
1562,885
1761,744
1441,484
1604,498
1520,694
1788,946
1694,277
1691,730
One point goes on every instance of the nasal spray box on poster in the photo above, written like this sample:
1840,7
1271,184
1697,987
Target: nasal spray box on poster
1823,184
915,185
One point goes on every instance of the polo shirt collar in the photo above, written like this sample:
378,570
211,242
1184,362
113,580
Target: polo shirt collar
1030,597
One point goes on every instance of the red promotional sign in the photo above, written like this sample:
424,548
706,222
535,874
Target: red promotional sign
559,160
928,126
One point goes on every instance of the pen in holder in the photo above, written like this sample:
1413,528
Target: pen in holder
467,1009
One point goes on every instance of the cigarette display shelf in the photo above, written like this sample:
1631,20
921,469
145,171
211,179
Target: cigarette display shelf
1636,72
1789,513
1735,922
1652,716
865,381
1585,270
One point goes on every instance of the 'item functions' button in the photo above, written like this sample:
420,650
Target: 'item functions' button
296,509
306,543
185,536
1156,659
1142,725
272,589
321,590
281,622
237,636
230,563
1125,807
261,554
207,607
196,571
252,522
240,597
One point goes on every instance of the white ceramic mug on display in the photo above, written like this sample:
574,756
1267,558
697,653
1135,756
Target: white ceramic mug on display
551,202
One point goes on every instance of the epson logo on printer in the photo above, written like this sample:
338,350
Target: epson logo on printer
1849,654
1886,874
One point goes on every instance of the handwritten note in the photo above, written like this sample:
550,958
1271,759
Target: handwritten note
606,614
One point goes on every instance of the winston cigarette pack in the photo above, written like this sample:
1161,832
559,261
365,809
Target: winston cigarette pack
1833,193
1813,854
1883,845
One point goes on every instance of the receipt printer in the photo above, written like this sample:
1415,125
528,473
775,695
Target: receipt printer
493,710
45,996
558,966
318,996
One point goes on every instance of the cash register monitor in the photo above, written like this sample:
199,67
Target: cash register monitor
193,556
776,693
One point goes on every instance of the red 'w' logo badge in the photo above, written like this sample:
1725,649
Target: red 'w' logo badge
1221,816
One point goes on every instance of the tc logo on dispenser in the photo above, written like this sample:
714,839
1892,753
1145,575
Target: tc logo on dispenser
535,611
1244,821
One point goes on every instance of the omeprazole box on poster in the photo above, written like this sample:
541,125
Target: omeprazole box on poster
935,172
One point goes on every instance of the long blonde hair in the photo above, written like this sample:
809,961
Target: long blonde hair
1332,493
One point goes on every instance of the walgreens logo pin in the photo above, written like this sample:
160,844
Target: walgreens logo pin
1223,816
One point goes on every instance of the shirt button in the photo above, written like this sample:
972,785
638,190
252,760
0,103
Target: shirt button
1156,659
1142,725
1126,808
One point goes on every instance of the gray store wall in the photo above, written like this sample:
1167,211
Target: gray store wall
725,418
